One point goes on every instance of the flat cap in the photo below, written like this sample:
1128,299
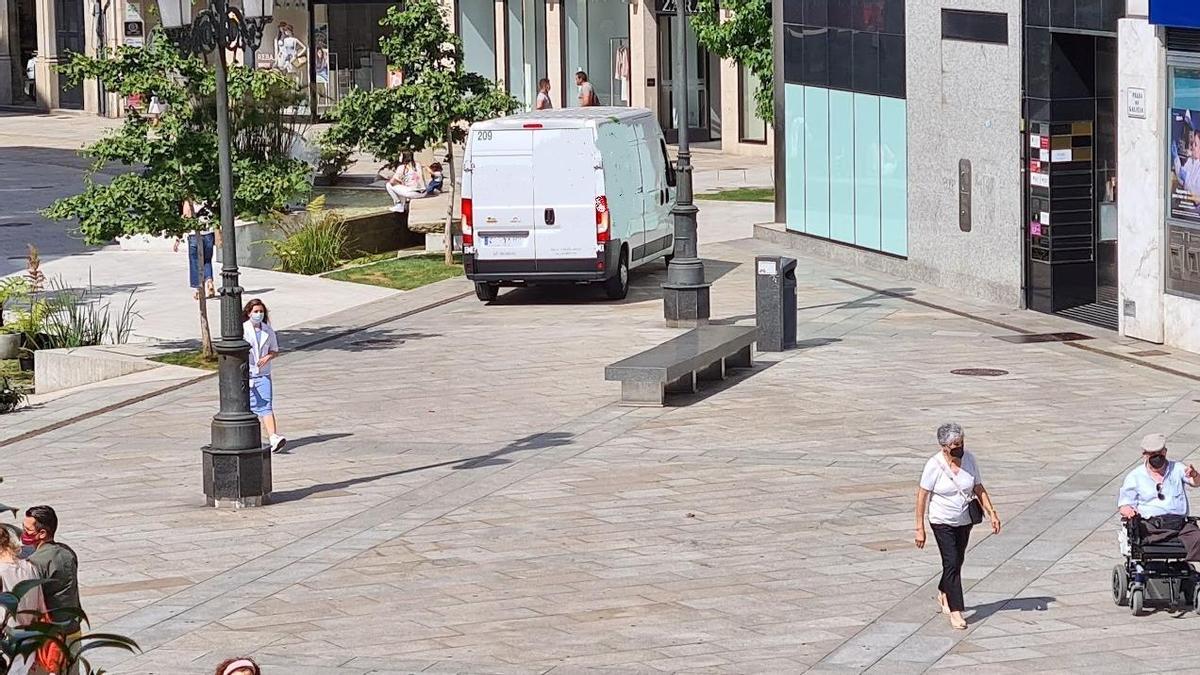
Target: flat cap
1154,443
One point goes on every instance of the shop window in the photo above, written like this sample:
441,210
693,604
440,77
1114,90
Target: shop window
596,41
752,128
477,26
1183,168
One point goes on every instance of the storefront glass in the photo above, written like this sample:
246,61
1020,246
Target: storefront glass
1183,180
596,41
526,48
477,26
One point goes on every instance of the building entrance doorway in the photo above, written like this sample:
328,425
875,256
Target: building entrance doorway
68,15
698,88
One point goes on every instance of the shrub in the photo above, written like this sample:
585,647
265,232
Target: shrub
316,244
10,397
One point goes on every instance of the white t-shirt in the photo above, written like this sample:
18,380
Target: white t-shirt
950,493
1140,490
543,101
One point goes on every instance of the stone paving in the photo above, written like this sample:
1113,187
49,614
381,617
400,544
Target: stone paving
464,495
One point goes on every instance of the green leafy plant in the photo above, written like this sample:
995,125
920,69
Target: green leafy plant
171,158
434,105
334,158
83,317
11,397
744,35
12,290
316,244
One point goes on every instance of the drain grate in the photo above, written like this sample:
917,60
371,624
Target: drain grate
979,372
19,223
1044,337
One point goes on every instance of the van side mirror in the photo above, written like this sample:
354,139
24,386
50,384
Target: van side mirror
662,143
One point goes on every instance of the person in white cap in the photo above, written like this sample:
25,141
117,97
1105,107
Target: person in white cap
1157,492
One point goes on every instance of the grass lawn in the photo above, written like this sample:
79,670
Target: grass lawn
740,195
11,369
190,358
402,274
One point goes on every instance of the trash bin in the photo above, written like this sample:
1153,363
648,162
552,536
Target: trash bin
775,302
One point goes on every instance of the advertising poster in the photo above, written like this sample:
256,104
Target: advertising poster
1185,165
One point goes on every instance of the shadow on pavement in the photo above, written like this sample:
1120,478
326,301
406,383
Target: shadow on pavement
495,458
318,439
645,284
1033,604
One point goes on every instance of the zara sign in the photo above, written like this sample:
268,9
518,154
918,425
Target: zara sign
672,6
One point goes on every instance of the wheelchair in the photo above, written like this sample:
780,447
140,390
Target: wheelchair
1157,574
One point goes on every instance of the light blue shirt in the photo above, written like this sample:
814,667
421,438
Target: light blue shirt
1140,491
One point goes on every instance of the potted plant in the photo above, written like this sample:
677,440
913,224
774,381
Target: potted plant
30,327
10,396
10,290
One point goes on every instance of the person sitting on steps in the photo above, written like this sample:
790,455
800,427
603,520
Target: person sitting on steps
407,183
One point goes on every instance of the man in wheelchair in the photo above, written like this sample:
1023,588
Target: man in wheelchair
1157,537
1156,492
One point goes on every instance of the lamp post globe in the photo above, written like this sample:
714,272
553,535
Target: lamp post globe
236,466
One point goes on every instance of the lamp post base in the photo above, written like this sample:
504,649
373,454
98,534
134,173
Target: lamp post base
685,305
237,478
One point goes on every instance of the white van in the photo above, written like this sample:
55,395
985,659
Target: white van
580,195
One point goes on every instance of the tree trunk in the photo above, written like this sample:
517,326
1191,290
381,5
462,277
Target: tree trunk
449,230
206,345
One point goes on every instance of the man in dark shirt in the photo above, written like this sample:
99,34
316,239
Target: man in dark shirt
58,564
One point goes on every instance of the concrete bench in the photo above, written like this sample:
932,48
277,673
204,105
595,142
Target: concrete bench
676,365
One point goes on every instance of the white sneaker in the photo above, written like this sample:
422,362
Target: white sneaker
397,208
277,443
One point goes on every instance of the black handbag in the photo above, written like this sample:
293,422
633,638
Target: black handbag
975,510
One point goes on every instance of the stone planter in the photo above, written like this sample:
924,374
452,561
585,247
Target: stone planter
436,243
10,345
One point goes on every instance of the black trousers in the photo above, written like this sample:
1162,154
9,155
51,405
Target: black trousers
952,544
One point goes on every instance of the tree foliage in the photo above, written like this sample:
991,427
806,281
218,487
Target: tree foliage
173,157
745,37
437,100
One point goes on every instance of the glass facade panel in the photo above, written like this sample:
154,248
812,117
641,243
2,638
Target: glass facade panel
794,149
816,161
477,26
526,48
866,171
841,166
752,127
893,185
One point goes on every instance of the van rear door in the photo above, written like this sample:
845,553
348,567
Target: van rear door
502,194
568,172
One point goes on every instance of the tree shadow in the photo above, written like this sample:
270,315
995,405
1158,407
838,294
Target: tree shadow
495,458
294,443
645,285
1032,604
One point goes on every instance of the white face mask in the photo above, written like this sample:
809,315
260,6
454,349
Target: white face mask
256,318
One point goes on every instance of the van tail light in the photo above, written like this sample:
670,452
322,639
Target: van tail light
468,223
603,221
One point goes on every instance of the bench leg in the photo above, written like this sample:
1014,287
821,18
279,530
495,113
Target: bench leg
715,371
684,385
642,394
744,358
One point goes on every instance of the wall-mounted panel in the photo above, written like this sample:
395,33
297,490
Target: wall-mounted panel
816,161
841,166
794,148
866,171
893,165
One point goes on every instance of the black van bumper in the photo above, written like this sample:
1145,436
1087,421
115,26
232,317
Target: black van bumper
563,270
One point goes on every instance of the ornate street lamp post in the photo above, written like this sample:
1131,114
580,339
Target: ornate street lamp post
685,295
237,469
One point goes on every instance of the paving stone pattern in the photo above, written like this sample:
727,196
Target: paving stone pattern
464,495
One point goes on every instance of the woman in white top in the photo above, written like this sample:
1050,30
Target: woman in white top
201,245
949,484
264,347
407,183
32,606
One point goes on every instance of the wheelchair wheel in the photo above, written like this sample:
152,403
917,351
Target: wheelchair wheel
1120,586
1136,600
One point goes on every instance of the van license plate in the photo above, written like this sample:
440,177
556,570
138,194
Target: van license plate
504,240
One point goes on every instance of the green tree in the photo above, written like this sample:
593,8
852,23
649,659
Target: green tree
172,158
434,106
745,37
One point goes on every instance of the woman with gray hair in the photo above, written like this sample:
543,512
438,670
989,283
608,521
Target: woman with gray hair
952,492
